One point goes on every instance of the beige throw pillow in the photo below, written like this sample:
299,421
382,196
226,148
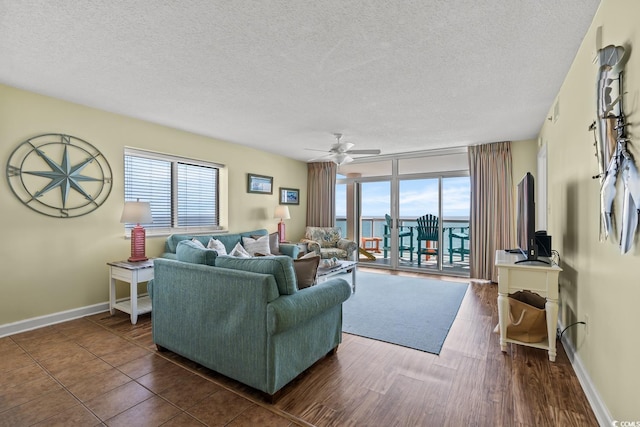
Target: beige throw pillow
259,245
198,242
306,269
217,246
274,243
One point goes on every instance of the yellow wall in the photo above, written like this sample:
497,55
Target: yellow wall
597,282
49,265
523,158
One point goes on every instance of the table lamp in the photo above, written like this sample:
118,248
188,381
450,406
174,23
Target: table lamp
135,213
281,212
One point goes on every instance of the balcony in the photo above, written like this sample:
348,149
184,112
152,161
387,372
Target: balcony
454,261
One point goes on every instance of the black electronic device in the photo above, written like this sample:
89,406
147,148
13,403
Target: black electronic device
526,220
543,240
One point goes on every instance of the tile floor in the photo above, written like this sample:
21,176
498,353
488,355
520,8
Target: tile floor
80,373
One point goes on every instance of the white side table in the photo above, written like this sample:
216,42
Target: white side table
132,273
531,276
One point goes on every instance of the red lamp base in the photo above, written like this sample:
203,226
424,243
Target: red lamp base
281,231
137,244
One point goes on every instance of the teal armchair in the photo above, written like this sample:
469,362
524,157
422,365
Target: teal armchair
328,243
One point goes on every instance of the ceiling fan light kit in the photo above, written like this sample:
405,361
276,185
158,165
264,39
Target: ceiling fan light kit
341,159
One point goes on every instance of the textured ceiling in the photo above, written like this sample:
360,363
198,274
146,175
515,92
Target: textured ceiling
285,75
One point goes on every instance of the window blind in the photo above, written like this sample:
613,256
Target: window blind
197,198
149,180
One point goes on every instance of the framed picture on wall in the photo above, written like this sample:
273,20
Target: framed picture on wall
289,196
259,184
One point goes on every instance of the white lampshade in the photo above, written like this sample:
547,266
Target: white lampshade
137,213
282,212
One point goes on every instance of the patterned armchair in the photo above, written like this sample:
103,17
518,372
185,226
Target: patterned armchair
328,243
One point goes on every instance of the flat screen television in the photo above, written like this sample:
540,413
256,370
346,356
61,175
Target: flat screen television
526,220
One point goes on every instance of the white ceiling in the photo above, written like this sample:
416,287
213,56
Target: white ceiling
284,75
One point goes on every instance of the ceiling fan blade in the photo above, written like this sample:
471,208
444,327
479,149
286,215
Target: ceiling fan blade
315,149
363,152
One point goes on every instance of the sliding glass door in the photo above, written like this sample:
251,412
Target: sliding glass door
407,214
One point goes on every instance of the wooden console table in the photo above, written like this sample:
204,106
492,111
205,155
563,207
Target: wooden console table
532,276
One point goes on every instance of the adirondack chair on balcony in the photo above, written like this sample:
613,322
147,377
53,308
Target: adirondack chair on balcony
428,233
460,235
405,238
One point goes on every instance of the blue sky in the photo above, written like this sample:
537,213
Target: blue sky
417,197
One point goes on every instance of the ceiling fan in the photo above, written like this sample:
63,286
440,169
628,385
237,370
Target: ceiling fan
340,152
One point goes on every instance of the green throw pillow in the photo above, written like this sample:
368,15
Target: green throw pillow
281,267
188,251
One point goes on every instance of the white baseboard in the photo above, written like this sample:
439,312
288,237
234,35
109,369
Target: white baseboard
51,319
597,405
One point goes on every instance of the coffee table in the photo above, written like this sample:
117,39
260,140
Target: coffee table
324,273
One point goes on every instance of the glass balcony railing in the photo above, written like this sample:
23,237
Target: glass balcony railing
375,227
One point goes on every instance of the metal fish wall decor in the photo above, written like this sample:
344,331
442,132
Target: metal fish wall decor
611,148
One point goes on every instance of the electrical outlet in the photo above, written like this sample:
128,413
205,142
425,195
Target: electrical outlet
586,326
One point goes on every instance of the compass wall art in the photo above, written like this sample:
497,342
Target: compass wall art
59,175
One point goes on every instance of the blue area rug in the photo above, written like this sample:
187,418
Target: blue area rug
408,311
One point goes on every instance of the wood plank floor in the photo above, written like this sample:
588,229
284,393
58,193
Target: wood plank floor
366,383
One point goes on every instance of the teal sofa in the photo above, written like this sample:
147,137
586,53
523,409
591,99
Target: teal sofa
229,240
245,317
